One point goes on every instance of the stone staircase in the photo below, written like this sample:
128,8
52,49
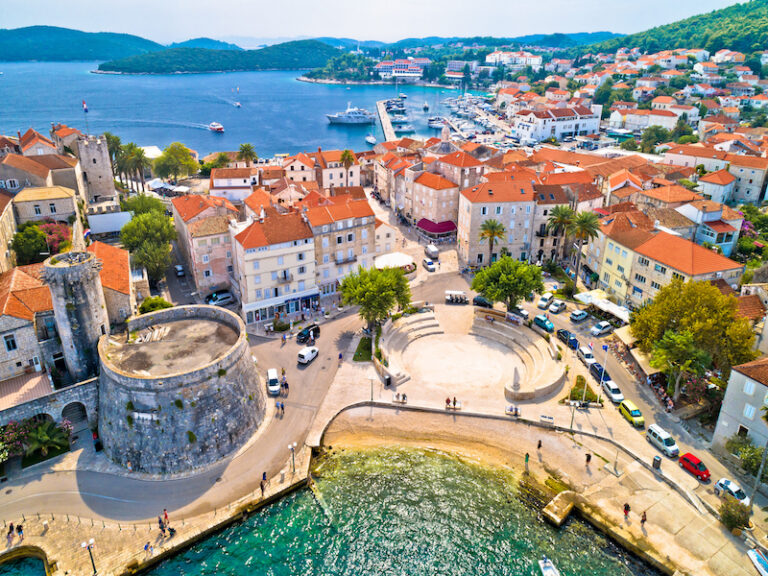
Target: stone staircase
397,335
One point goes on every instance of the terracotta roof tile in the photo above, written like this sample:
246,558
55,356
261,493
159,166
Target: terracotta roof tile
501,191
756,370
26,164
460,159
23,293
275,229
191,205
685,256
671,194
750,307
435,181
721,178
335,212
115,266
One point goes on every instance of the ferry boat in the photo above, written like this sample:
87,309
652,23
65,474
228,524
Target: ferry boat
352,116
547,567
371,139
215,127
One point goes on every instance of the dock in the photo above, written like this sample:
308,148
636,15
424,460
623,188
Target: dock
386,123
455,128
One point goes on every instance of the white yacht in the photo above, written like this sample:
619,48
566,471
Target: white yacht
352,116
371,139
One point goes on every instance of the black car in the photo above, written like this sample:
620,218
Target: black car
482,302
600,373
569,339
303,336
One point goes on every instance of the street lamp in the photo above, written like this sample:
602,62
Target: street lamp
292,448
89,546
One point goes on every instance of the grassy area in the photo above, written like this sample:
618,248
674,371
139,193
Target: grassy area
37,457
363,352
577,391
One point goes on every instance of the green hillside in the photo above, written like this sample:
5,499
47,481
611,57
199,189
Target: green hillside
50,43
742,27
287,56
207,43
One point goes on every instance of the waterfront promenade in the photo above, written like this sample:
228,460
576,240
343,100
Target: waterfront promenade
386,122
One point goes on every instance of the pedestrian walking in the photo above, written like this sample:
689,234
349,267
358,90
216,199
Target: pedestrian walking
340,357
262,485
165,515
626,511
286,387
146,548
20,532
282,408
538,446
283,372
9,536
589,458
643,519
263,476
161,525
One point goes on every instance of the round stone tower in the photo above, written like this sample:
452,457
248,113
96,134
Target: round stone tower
79,308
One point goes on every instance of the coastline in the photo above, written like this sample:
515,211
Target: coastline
333,82
180,72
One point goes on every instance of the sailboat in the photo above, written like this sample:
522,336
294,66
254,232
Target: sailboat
371,139
237,102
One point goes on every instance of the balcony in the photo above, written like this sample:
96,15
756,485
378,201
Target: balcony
345,259
542,233
284,277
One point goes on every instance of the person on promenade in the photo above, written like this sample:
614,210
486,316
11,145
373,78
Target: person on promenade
447,402
262,484
538,446
161,525
20,532
165,515
454,401
286,387
282,408
147,547
626,511
9,536
341,357
643,519
589,458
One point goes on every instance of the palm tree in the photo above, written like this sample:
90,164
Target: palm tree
130,152
347,159
560,219
113,146
45,436
585,227
491,230
247,153
141,163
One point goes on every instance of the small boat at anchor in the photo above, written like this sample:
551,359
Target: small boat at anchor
547,567
426,106
215,127
371,139
237,105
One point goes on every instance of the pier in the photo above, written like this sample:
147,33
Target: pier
455,128
386,123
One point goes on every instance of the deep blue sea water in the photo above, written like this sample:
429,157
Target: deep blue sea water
279,114
399,512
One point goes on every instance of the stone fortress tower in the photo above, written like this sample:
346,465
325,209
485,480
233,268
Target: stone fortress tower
79,309
97,168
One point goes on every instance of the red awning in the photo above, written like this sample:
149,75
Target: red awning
439,228
719,226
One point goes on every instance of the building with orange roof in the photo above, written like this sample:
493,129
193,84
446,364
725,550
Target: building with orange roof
665,196
513,203
18,172
300,168
386,237
330,172
459,167
274,266
33,143
116,282
234,184
345,239
434,198
717,224
717,186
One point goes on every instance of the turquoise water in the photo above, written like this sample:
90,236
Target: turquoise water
279,114
403,513
25,567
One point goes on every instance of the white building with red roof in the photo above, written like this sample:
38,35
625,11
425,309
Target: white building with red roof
534,126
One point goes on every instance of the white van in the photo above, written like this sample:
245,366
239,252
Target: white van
432,252
273,384
660,438
584,353
545,301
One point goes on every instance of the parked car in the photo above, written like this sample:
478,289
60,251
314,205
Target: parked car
306,355
632,413
428,265
273,384
545,300
482,302
303,336
584,353
694,466
578,316
730,489
599,372
557,306
612,391
544,323
520,312
568,338
601,328
179,269
220,298
660,438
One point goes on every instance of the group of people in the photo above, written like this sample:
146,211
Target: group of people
643,517
658,385
12,531
284,383
164,524
449,404
401,398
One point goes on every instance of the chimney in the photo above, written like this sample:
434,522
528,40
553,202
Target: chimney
262,214
319,150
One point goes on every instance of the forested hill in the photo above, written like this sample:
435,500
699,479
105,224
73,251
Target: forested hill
50,43
741,27
295,55
208,43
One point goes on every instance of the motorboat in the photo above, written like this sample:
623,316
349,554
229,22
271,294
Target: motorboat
237,105
215,127
759,560
547,567
399,119
352,116
426,106
435,121
403,96
403,128
371,139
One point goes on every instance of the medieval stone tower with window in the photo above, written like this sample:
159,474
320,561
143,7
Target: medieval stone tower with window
97,169
79,307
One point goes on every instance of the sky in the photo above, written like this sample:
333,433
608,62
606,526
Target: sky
168,21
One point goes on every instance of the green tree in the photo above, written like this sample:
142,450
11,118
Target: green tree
491,231
142,204
652,136
176,160
148,227
376,292
508,280
347,160
44,437
585,227
247,153
113,146
629,144
559,222
682,128
155,257
29,245
676,354
603,93
154,303
701,309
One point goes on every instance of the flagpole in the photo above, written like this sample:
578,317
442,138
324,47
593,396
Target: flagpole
85,116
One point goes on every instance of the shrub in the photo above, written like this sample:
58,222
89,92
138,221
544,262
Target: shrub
222,372
178,403
734,514
129,406
279,326
191,437
577,391
154,303
129,419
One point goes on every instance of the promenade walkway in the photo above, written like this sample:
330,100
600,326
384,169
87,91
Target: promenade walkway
386,123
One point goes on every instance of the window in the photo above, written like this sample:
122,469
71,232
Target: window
52,208
350,237
617,249
610,246
10,343
230,269
660,269
676,275
325,258
207,273
205,258
255,264
364,234
623,253
609,261
301,286
325,228
215,241
640,279
498,209
749,411
326,273
339,239
300,256
620,269
258,293
325,241
280,260
37,210
655,285
302,269
229,254
483,210
606,277
257,279
12,183
644,261
617,283
527,209
749,387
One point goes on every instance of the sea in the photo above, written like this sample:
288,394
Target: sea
398,512
278,115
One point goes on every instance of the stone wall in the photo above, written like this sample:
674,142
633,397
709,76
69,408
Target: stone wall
182,421
87,393
25,338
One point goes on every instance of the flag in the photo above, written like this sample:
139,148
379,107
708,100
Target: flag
85,107
87,233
